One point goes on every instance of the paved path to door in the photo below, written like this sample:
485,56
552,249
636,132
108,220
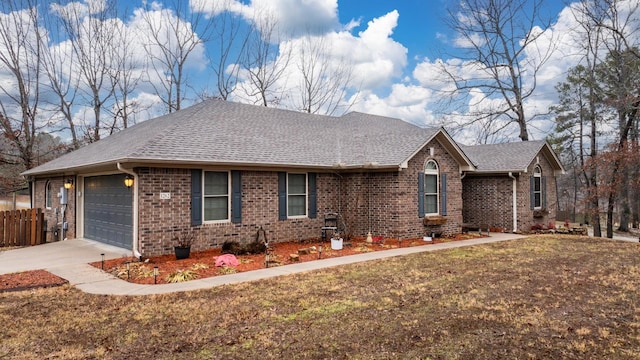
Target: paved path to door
73,257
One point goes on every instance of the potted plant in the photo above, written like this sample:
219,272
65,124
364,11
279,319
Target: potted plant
183,245
336,242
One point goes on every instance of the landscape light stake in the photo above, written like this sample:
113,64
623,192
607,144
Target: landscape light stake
399,242
266,256
320,251
102,260
155,274
128,271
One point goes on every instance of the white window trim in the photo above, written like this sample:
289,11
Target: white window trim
204,196
48,194
306,196
537,176
432,172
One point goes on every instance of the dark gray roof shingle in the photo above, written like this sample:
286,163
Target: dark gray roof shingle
503,157
220,132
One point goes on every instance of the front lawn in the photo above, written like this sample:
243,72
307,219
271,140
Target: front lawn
540,298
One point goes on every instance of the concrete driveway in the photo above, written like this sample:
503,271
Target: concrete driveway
56,254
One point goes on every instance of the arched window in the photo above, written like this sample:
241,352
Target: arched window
48,195
537,187
431,186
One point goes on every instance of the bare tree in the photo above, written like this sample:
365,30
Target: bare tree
324,81
91,32
263,64
503,57
229,40
21,39
621,75
616,22
127,73
172,40
60,77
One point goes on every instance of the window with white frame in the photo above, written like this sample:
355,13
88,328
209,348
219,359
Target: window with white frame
48,195
431,182
215,195
537,188
296,195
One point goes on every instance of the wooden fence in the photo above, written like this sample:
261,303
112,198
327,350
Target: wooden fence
22,227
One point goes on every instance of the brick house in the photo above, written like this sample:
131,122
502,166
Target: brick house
513,186
223,170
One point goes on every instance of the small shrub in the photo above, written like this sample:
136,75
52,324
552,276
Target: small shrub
181,276
226,270
236,248
537,226
231,247
256,247
199,266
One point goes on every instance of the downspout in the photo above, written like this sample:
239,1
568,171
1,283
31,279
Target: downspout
136,253
515,203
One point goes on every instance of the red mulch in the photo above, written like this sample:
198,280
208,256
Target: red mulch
29,280
142,272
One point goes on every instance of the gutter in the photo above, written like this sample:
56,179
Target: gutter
135,246
515,203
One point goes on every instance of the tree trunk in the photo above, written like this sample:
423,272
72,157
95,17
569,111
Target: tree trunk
625,210
621,152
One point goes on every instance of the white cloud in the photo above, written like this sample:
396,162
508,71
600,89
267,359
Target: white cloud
375,57
291,17
406,102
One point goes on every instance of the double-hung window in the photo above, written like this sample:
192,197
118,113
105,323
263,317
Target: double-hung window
216,196
431,194
296,195
537,188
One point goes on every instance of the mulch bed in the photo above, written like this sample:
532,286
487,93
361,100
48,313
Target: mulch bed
201,264
29,280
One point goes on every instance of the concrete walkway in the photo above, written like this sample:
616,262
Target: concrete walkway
91,280
57,254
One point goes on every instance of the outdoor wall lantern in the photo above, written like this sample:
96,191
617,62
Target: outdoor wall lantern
68,184
128,181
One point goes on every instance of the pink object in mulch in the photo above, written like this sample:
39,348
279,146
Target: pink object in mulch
227,260
378,239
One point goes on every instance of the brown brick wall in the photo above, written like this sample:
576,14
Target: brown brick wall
49,214
527,220
162,220
411,225
488,199
387,202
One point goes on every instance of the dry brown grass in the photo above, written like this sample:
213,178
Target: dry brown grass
539,298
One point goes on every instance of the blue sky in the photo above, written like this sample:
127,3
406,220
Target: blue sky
396,50
419,23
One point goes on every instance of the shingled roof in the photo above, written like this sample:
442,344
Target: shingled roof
217,132
510,157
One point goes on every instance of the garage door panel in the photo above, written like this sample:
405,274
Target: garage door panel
108,215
